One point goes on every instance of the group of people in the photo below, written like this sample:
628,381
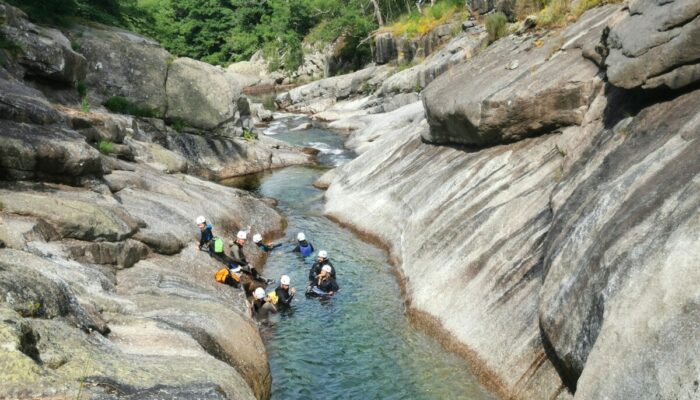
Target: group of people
322,275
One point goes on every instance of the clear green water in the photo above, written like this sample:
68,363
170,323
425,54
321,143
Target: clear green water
360,344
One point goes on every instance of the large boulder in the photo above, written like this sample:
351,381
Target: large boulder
200,94
656,44
621,279
121,63
45,52
385,48
515,89
21,103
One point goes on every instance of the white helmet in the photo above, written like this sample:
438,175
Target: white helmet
326,268
301,236
323,254
201,220
259,293
257,238
241,235
284,280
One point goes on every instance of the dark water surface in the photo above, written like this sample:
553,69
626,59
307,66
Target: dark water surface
360,344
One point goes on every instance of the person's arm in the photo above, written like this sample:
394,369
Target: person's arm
296,249
333,287
312,273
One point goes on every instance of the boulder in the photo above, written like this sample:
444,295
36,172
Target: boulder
620,258
122,63
21,103
200,94
32,152
385,48
552,87
655,44
46,52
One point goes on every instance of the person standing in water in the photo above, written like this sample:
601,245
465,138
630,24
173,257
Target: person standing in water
266,247
303,246
321,261
263,305
325,282
284,293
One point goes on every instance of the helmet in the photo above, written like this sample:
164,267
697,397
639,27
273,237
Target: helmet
323,254
201,220
257,238
301,236
327,268
241,235
259,293
285,280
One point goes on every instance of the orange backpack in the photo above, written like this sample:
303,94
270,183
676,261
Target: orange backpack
223,275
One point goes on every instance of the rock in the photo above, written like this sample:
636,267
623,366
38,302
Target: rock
302,127
46,52
32,152
23,104
124,254
466,25
159,157
324,181
513,65
260,112
385,48
620,260
200,94
528,23
655,45
508,106
121,63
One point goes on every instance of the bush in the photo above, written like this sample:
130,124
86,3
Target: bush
179,125
85,105
417,24
496,26
121,105
105,147
81,87
249,135
554,14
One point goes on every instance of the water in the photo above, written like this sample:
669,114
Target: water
360,344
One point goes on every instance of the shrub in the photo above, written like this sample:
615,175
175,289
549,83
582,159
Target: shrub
121,105
75,46
12,47
496,26
85,105
105,147
554,14
81,87
179,125
249,135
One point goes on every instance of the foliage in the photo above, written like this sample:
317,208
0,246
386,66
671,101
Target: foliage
85,105
553,14
7,44
121,105
81,87
496,26
64,12
417,24
249,135
105,147
178,124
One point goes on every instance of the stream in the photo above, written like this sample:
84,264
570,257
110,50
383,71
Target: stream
360,344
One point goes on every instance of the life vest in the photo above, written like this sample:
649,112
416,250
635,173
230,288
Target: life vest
218,245
306,250
225,276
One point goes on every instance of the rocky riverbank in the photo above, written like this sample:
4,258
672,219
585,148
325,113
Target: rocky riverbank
541,201
103,292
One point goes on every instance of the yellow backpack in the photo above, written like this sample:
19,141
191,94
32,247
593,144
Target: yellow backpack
223,274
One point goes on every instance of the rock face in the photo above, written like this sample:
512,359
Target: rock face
566,261
629,212
550,86
390,48
200,94
655,45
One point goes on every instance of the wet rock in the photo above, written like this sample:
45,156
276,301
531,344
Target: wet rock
29,152
620,260
200,94
655,45
544,93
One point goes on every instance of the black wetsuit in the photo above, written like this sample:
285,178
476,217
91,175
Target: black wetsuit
205,238
328,285
238,258
316,269
284,298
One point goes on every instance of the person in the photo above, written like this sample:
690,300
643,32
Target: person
257,239
238,257
321,261
263,305
205,234
284,293
303,246
325,282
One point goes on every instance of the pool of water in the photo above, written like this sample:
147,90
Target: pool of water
359,344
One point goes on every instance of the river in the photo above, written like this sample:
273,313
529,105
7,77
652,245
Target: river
360,344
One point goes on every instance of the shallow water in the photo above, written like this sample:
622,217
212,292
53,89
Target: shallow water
359,344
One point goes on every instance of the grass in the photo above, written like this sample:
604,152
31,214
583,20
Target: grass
121,105
75,46
249,135
81,87
179,125
12,47
105,147
496,26
417,24
85,105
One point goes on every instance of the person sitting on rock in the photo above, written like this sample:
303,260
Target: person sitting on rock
284,293
321,261
257,239
238,257
263,305
205,234
303,247
325,282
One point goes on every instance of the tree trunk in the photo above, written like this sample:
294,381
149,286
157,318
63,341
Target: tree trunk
378,12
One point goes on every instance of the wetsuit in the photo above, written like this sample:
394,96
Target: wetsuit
266,248
316,269
304,247
238,258
262,309
328,285
205,238
284,297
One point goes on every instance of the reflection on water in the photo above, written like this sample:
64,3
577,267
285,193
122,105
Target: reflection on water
358,345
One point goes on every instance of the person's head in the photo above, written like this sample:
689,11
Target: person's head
259,293
201,222
257,238
326,271
271,298
285,281
301,237
322,255
241,237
